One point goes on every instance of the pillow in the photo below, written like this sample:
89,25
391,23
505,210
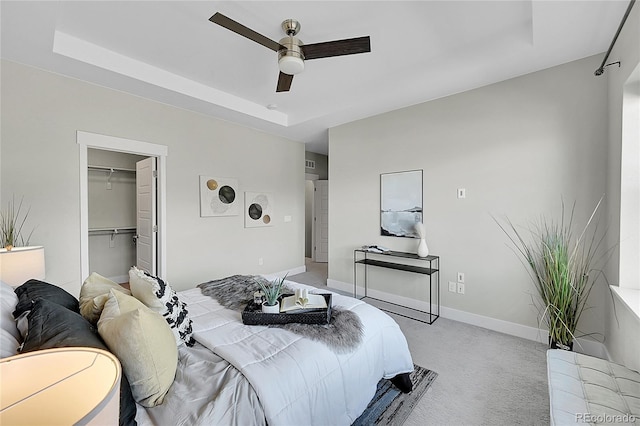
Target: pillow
144,343
9,335
94,293
160,297
53,326
32,290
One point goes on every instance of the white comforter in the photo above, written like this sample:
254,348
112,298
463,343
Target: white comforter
299,381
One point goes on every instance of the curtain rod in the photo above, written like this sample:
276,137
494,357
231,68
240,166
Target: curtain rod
600,70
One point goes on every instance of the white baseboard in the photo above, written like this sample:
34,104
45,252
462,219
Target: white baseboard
292,271
582,345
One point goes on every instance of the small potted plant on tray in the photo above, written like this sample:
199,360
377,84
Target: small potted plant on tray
272,290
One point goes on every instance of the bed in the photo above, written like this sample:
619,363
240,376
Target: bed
227,372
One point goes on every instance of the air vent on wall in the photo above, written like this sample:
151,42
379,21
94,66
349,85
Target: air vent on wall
310,164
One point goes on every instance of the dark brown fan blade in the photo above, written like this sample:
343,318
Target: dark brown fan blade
337,48
230,24
284,82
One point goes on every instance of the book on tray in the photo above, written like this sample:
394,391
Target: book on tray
302,300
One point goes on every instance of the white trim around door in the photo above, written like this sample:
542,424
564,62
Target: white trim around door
88,140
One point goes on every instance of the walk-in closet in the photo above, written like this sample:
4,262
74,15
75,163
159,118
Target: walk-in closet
112,213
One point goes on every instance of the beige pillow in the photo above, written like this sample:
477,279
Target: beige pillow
94,293
160,297
144,343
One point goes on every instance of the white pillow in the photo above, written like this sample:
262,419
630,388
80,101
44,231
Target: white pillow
9,335
94,293
144,344
159,296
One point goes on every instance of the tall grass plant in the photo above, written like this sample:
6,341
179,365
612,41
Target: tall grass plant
564,267
12,222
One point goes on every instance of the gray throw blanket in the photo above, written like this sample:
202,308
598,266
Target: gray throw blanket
343,333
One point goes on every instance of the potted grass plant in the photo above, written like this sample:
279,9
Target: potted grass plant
12,222
564,267
272,290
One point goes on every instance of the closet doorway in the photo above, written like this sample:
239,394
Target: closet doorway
116,233
123,208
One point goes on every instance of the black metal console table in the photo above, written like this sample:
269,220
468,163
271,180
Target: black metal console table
393,260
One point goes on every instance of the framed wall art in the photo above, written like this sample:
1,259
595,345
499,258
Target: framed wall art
400,203
258,209
218,196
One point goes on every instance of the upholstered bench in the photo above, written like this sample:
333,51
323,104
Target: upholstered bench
589,390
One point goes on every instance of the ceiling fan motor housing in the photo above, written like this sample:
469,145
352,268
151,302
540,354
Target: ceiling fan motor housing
291,58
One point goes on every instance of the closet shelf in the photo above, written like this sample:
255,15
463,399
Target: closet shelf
112,231
111,169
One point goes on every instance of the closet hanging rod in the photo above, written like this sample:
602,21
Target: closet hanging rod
600,70
113,231
111,169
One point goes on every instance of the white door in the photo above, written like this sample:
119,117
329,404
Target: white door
321,219
146,216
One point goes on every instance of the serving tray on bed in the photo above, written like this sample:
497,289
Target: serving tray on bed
253,315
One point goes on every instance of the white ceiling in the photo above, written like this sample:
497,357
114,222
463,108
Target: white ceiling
420,50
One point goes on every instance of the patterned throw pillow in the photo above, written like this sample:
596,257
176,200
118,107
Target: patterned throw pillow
159,296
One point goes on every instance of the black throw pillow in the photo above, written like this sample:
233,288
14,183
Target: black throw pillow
32,290
53,326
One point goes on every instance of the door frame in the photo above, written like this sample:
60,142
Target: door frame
312,177
87,140
317,204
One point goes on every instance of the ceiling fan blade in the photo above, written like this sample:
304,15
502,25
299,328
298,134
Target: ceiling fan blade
236,27
284,82
337,48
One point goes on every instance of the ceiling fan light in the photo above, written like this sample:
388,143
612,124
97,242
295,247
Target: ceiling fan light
291,65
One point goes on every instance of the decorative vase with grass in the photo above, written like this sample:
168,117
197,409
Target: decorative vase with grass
564,267
272,290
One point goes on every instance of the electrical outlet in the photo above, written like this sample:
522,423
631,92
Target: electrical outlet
460,277
452,287
260,261
108,185
112,241
460,288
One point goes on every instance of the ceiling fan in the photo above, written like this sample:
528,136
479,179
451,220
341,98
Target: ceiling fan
291,51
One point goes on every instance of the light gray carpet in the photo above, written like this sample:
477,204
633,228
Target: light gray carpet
484,377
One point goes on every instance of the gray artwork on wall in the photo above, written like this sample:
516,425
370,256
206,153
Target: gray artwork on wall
400,203
218,196
258,209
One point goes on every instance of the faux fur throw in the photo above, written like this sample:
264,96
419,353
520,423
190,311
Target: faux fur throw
343,333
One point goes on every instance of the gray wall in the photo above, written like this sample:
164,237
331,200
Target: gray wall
41,113
322,165
518,148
